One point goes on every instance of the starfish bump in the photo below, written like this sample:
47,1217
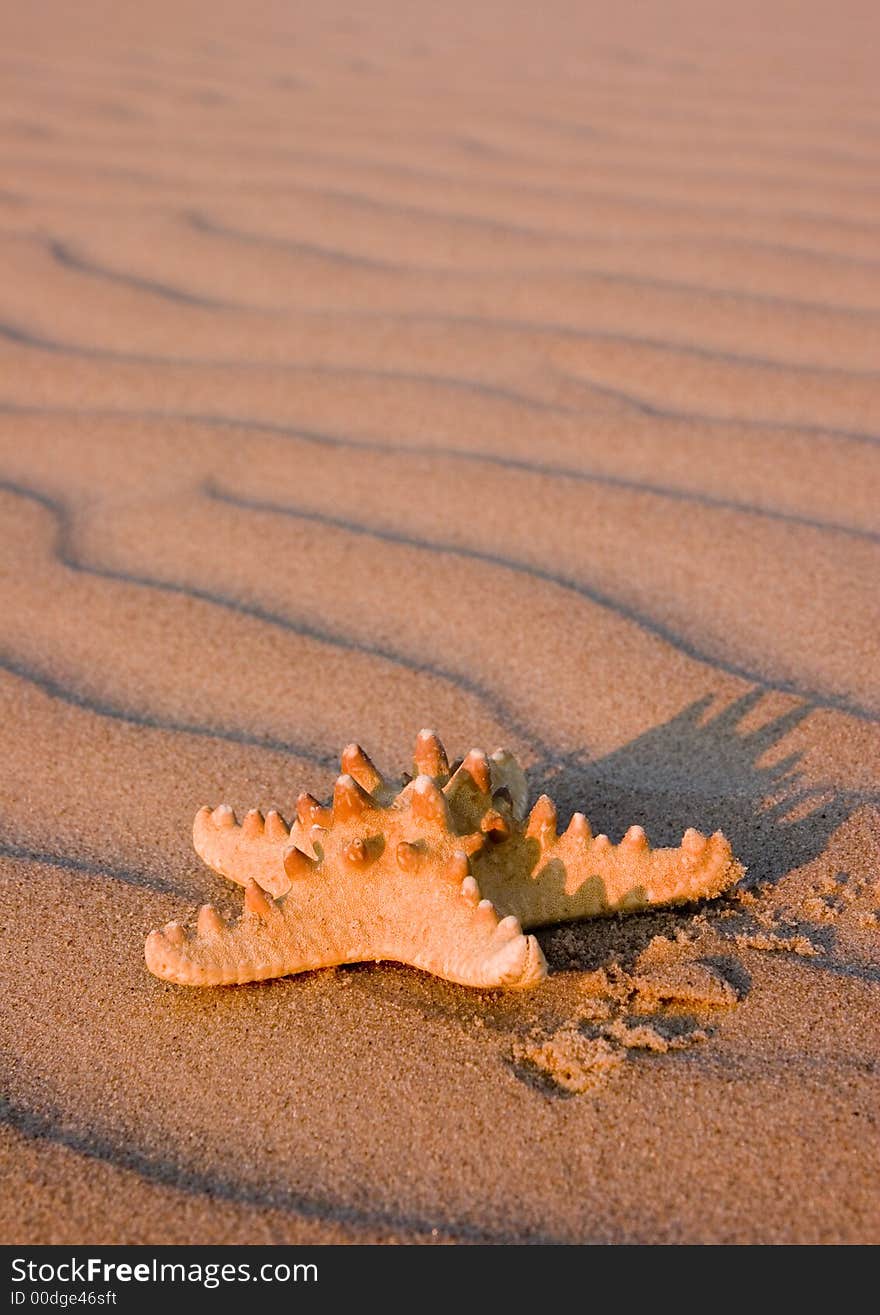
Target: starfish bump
443,874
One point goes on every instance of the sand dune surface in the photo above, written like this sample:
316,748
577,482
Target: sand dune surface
505,369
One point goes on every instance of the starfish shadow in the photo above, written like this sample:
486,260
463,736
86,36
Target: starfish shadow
712,772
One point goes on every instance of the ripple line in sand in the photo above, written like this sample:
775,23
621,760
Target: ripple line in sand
335,254
332,638
636,200
338,255
616,134
547,470
585,333
89,867
598,273
95,1145
66,256
626,612
685,175
28,338
76,699
405,209
709,420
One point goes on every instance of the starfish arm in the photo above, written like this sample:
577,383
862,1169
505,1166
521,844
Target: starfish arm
252,850
441,925
544,878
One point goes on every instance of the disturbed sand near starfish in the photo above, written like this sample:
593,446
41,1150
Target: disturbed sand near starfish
366,372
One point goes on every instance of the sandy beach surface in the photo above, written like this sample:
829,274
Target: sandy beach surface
515,373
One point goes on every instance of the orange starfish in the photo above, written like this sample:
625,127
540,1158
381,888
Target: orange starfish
442,873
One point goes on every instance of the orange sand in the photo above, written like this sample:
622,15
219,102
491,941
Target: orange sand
514,373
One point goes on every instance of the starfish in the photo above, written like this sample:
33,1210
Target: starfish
441,870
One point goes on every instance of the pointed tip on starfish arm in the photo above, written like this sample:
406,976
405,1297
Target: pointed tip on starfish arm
297,865
513,962
429,757
358,764
253,849
426,801
541,822
475,788
350,799
508,775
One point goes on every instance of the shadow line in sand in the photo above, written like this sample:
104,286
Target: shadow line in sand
64,255
90,867
41,342
55,689
583,333
56,1128
204,224
455,383
404,451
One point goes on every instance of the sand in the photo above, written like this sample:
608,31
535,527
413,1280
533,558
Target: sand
513,373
